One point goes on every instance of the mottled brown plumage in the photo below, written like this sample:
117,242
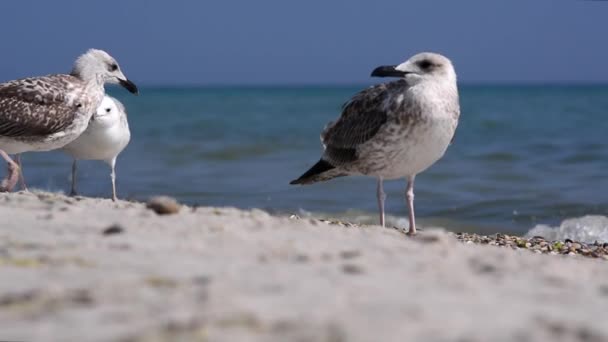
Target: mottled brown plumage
361,119
35,107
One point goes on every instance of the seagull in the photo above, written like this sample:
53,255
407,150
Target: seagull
105,137
393,130
47,112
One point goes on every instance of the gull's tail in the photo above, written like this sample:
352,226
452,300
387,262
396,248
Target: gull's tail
321,171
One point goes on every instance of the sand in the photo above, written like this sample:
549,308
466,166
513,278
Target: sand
82,269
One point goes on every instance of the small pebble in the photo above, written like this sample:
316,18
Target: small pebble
301,258
163,205
113,229
350,254
352,269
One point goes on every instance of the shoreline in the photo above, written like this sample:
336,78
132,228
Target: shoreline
535,244
86,268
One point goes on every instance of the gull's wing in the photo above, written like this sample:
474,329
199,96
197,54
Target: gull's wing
362,117
35,106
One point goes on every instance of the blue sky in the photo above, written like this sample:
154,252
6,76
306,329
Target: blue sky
309,42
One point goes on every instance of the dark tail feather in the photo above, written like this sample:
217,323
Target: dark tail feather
321,171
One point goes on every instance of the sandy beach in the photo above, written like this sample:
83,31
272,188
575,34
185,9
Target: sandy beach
75,269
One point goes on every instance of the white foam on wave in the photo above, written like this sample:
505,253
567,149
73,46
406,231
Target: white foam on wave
588,229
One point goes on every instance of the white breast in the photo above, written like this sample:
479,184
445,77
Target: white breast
106,136
99,144
416,150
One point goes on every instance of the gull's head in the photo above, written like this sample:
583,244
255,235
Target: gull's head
108,113
99,65
425,66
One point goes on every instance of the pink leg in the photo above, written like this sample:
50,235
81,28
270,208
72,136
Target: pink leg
21,177
409,195
12,177
113,177
381,197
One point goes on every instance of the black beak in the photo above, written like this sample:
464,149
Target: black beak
388,71
130,86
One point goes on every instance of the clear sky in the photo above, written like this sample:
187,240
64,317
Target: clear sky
308,42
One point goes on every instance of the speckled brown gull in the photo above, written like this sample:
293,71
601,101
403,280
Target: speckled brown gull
106,136
393,130
47,112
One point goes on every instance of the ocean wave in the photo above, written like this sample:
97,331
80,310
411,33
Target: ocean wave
588,229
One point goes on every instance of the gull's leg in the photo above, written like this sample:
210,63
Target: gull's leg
381,197
113,176
12,176
409,195
73,190
21,177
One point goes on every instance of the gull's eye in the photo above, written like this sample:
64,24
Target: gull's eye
113,67
425,64
108,110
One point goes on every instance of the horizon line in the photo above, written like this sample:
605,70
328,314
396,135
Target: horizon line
361,84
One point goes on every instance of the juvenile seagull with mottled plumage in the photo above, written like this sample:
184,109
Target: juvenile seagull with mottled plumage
393,130
45,113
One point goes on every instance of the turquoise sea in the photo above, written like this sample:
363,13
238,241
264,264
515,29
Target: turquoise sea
522,156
